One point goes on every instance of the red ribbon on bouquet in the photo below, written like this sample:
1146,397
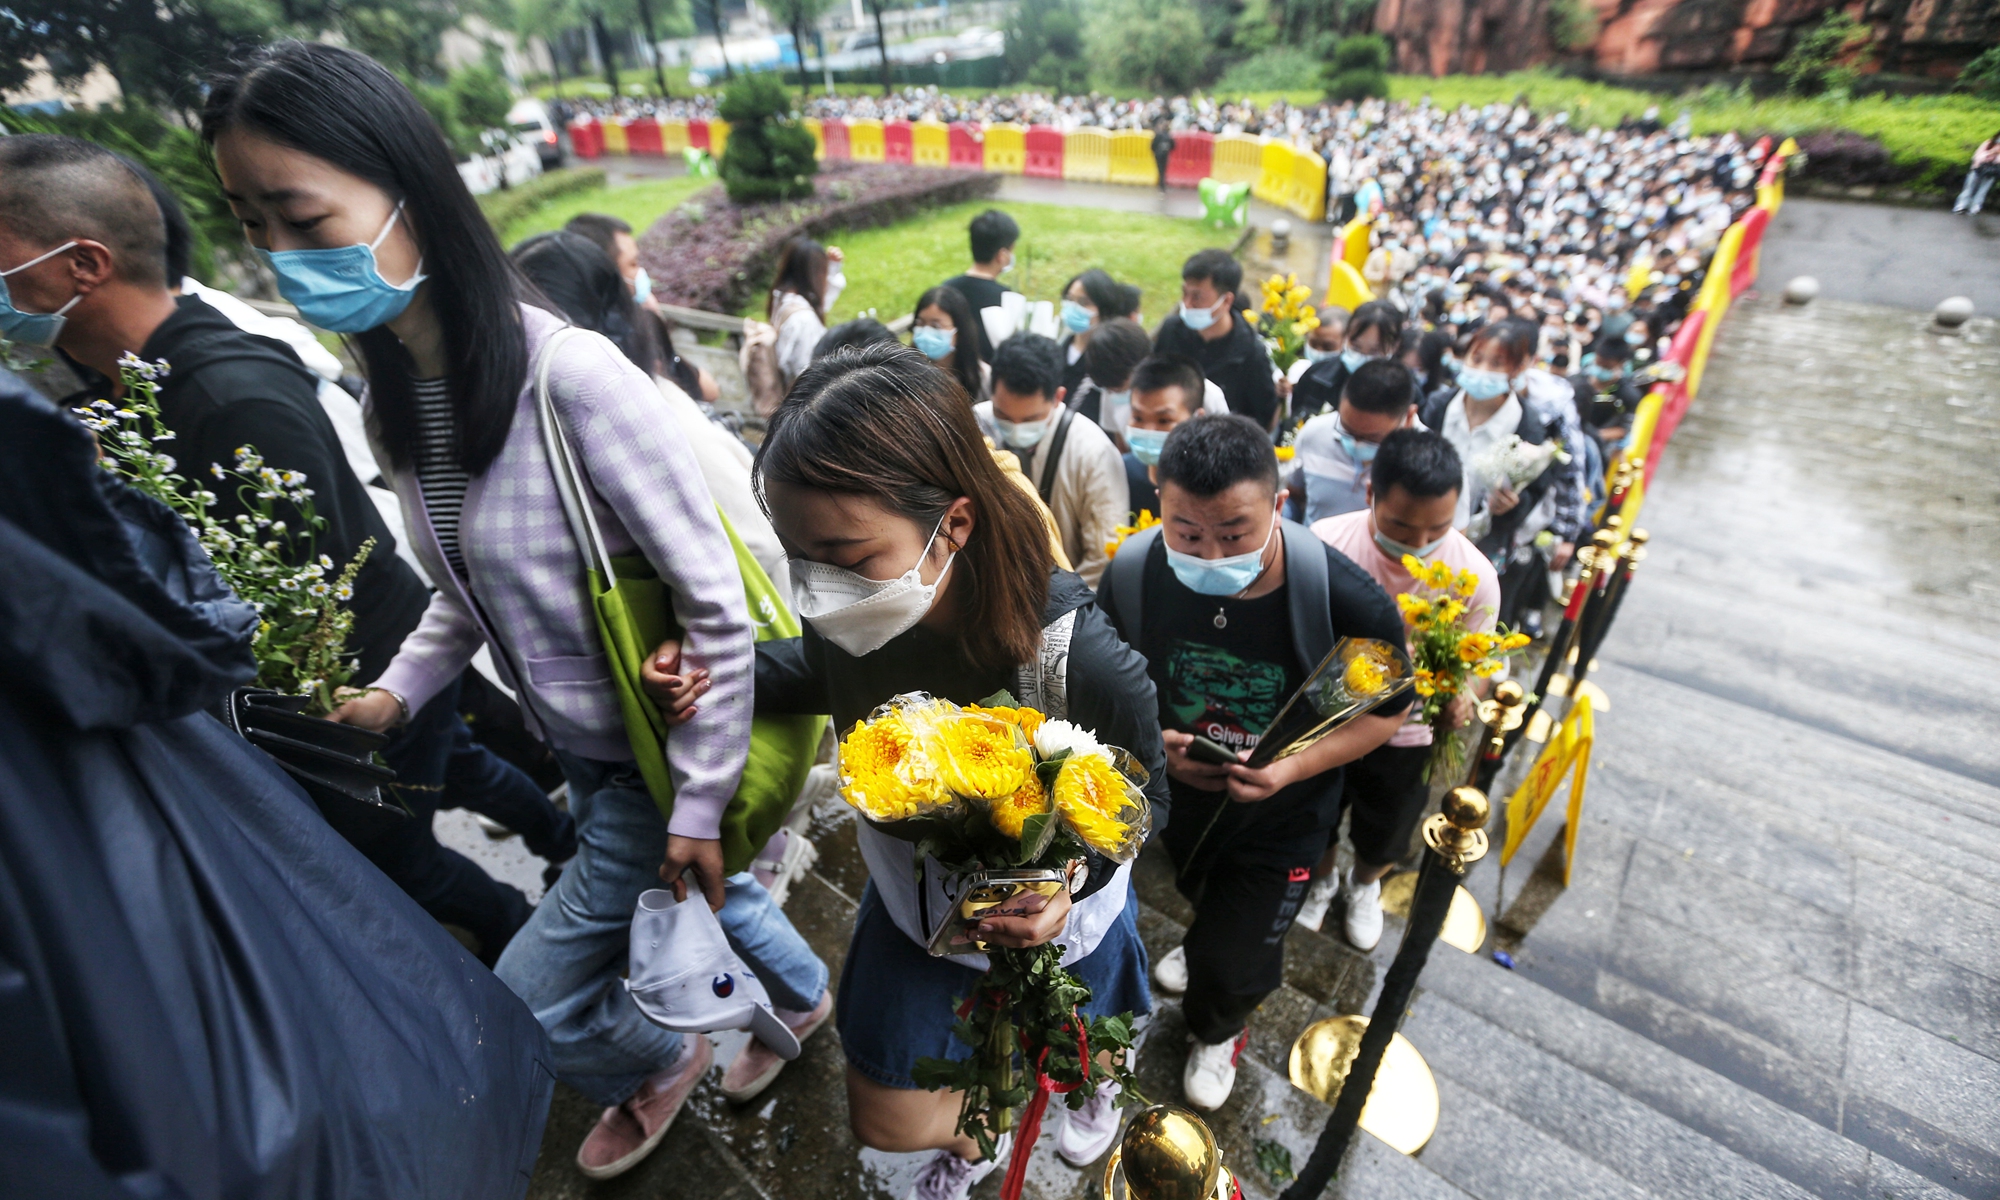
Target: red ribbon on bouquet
1031,1117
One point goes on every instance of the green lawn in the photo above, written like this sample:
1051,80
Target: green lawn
639,204
887,269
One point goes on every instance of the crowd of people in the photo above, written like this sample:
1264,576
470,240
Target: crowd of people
1194,525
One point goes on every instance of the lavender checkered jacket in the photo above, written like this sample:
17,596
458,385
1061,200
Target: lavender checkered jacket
527,576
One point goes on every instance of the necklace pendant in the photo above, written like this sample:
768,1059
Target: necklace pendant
1221,621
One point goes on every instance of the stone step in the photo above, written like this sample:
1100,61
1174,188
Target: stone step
1587,1079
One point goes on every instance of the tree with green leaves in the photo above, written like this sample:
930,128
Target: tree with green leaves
799,16
1157,45
1044,46
1358,69
769,155
1828,57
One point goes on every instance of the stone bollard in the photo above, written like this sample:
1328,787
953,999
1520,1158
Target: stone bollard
1801,290
1952,312
1281,235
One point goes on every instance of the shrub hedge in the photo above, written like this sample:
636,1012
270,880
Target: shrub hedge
713,254
508,205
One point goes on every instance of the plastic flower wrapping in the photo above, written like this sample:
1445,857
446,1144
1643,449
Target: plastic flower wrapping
1007,811
994,785
1445,652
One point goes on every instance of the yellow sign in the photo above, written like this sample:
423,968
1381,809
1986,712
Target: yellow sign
1570,747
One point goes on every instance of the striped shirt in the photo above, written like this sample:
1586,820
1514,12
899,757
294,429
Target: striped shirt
443,480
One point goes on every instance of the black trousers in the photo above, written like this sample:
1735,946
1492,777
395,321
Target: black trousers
438,765
1246,879
1160,161
1524,586
1384,796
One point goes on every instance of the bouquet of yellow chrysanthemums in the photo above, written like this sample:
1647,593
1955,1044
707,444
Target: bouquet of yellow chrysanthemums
1444,651
1012,809
1285,319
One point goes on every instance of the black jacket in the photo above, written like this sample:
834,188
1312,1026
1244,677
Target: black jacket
226,388
1236,363
1318,390
208,993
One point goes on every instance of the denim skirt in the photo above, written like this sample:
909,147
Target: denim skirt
897,1002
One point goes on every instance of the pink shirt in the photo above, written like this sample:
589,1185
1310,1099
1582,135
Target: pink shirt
1353,534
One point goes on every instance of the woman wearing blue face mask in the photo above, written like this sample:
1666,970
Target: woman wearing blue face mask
1489,407
1374,331
346,186
942,329
918,567
1089,300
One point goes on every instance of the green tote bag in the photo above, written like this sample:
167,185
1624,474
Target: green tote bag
635,614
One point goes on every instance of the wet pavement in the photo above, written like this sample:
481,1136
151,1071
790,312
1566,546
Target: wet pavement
1776,970
1878,254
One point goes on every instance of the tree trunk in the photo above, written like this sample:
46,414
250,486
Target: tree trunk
603,37
881,46
721,40
555,65
799,47
653,46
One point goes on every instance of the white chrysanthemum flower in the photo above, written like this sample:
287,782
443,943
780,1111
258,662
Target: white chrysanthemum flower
277,527
167,462
318,589
216,470
343,593
1055,737
165,435
126,414
290,585
326,562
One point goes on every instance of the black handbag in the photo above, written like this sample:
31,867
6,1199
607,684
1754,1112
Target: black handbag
334,763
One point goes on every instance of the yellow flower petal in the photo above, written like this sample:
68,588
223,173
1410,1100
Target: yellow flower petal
981,757
1093,798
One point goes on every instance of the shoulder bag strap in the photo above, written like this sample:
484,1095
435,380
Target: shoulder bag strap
1127,573
1311,593
571,485
1047,487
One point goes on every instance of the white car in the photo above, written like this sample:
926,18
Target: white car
529,119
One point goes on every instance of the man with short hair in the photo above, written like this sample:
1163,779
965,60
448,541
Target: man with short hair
993,236
1234,608
81,235
1072,463
1116,347
1167,392
613,235
1209,329
1412,495
1334,449
1325,342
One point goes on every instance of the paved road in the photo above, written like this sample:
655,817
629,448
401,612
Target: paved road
1880,254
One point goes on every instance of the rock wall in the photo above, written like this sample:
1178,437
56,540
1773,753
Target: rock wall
1647,37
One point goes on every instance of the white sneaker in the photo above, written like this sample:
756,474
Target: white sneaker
1090,1130
1211,1071
948,1177
1312,911
1171,972
1364,914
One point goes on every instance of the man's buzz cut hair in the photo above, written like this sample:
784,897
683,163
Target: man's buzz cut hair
56,189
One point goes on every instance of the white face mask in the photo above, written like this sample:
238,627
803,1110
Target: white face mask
858,614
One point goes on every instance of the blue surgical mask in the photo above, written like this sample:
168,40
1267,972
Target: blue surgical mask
642,287
1481,384
935,343
1352,360
1635,338
39,330
1022,435
1146,444
1396,550
1075,317
1358,452
1197,319
1220,576
1315,354
341,290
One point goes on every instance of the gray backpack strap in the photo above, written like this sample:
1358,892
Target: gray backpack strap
1311,594
1126,574
1043,685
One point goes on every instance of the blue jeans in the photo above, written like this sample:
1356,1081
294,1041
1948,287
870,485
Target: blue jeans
567,962
1972,197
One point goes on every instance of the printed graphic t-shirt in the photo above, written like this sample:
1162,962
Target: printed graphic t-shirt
1227,684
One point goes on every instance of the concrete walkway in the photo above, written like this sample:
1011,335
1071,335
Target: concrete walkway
1882,254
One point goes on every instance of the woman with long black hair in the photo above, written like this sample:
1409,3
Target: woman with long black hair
346,189
807,282
942,328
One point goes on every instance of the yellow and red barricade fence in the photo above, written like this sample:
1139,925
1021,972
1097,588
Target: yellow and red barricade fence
1278,173
930,144
1132,158
1732,269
